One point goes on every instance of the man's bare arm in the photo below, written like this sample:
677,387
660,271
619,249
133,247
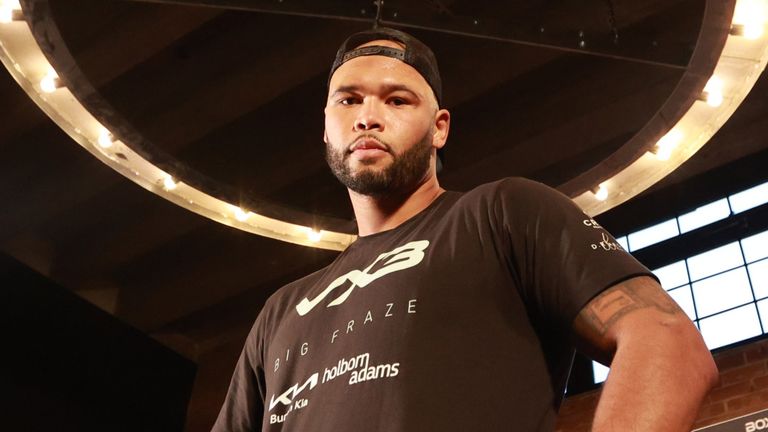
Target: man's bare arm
660,367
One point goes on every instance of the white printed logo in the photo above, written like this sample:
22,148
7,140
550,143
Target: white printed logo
607,244
401,258
359,369
759,424
591,223
289,395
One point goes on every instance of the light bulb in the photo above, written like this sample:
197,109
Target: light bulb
749,17
753,30
242,215
663,154
713,92
50,82
105,139
169,183
714,99
601,194
10,11
6,15
314,235
667,144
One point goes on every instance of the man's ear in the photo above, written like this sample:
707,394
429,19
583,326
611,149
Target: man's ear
442,127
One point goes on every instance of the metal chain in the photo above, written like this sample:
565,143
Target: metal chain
379,6
612,21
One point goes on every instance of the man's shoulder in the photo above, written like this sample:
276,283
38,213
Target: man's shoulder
510,185
515,188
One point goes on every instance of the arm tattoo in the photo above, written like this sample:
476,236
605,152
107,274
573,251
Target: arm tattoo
625,298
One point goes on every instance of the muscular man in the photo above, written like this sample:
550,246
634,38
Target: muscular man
454,311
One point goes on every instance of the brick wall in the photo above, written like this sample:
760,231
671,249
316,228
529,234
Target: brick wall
743,389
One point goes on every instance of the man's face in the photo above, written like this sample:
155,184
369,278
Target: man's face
380,125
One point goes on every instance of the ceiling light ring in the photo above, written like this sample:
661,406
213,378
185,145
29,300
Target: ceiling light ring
711,42
615,163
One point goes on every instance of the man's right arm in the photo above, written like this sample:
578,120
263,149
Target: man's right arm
661,369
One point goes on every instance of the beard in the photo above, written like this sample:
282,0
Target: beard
403,175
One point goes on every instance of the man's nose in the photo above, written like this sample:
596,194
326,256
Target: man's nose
369,117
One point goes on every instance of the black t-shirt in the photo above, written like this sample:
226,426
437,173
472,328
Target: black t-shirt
459,319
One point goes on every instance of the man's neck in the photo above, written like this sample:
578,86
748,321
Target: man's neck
377,214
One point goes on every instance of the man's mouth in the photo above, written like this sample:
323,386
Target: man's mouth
367,144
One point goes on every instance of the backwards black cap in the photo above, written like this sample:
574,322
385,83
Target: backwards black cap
416,54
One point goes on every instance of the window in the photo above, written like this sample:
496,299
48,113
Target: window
730,327
684,299
673,275
704,215
651,235
762,308
758,275
623,242
749,198
600,372
727,299
755,247
715,261
721,292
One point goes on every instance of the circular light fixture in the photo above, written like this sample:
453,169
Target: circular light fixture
743,58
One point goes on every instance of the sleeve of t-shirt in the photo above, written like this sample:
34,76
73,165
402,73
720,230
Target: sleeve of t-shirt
243,406
563,258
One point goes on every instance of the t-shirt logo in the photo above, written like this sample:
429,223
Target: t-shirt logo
401,258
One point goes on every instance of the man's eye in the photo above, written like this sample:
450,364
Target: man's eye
348,101
398,101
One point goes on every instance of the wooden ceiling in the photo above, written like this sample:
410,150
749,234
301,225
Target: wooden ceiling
233,92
